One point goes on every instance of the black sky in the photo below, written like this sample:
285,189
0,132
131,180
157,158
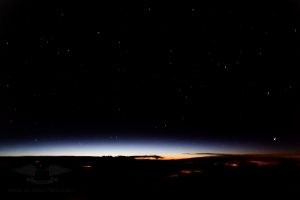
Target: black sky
226,69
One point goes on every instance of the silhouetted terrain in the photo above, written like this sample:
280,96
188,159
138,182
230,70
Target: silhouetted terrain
224,176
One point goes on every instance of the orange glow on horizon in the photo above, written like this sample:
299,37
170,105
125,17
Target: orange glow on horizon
184,156
173,157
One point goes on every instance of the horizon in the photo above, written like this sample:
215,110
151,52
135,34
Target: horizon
259,156
165,148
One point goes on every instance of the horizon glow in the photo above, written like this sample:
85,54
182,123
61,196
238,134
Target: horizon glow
165,148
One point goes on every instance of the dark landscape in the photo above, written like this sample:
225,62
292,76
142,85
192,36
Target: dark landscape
226,176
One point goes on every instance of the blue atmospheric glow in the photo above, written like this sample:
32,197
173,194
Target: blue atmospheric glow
125,147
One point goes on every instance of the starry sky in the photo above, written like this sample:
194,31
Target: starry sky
192,76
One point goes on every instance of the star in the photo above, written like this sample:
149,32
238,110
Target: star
259,52
165,124
275,139
61,14
193,11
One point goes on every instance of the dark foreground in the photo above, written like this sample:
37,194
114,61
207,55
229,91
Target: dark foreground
206,178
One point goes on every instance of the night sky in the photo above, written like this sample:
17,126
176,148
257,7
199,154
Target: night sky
149,77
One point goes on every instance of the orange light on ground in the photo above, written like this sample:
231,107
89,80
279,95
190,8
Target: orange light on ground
261,163
185,172
190,171
87,166
233,164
